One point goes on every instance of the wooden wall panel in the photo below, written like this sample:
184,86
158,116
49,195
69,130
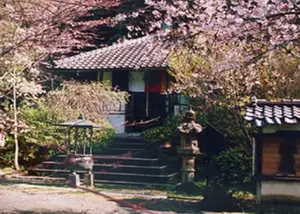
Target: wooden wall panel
297,158
271,155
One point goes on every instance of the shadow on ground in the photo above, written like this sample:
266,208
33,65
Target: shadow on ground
219,206
54,212
186,206
42,212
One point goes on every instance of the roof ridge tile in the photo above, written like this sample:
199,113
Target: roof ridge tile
140,52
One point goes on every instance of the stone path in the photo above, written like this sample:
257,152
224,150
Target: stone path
25,199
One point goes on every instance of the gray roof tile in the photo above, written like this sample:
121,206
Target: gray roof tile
146,52
263,112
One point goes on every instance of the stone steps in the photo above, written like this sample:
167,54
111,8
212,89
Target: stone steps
129,160
111,159
129,145
135,183
123,151
114,176
114,167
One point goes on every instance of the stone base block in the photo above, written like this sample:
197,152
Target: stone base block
73,180
187,176
286,191
88,179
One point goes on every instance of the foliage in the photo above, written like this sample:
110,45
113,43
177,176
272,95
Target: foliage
39,139
42,126
225,78
48,24
222,77
93,100
103,134
44,131
163,133
235,165
274,22
229,161
43,137
30,154
18,75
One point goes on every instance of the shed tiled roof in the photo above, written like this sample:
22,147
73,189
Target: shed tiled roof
145,52
262,112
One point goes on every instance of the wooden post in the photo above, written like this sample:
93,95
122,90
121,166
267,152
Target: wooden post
84,141
99,76
147,104
259,148
253,156
91,141
69,140
258,159
76,139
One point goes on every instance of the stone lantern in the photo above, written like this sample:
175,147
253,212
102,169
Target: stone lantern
78,160
188,148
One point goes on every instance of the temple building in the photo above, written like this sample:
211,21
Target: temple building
138,66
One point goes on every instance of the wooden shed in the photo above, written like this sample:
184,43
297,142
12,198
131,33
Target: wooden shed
276,149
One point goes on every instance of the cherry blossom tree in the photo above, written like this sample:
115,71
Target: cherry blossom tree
233,49
51,25
30,31
273,21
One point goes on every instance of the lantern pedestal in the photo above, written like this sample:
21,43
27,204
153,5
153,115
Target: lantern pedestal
188,155
88,179
73,180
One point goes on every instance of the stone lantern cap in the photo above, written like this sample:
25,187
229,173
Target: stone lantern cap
189,125
81,122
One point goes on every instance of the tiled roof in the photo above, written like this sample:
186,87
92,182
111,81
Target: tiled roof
145,52
263,112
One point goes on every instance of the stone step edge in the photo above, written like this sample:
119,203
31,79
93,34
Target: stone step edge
61,181
34,179
104,173
110,165
106,157
133,183
129,143
125,149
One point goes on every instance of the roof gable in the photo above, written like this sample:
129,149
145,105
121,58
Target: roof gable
145,52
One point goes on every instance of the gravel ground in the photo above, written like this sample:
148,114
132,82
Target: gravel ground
34,199
25,199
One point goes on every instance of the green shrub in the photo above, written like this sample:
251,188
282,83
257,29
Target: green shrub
105,133
42,126
230,162
44,138
234,166
164,132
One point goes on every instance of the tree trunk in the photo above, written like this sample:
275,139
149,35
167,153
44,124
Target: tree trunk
15,123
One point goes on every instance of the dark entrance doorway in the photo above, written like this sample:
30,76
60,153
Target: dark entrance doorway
145,106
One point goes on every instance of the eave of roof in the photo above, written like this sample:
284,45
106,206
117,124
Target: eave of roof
148,52
262,112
